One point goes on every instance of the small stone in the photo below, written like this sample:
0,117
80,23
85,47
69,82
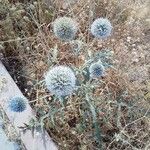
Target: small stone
113,40
35,3
18,39
134,53
135,60
29,83
26,18
73,132
133,45
128,39
28,48
41,63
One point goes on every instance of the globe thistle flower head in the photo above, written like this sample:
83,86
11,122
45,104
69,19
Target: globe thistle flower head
60,81
101,28
65,28
17,104
96,70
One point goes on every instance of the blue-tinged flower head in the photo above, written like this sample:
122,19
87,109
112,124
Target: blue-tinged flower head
65,28
101,28
96,70
60,81
17,104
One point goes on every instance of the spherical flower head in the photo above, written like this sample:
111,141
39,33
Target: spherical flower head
60,81
17,104
96,70
65,28
101,28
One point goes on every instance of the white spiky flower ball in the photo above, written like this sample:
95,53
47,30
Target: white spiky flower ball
101,28
96,70
65,28
60,81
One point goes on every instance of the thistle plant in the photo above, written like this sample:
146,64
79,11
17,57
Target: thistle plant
77,46
96,70
106,57
101,28
65,28
60,81
83,110
17,104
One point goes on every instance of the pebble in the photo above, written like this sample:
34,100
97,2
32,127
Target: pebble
128,39
28,48
35,3
112,40
29,83
26,18
133,45
135,60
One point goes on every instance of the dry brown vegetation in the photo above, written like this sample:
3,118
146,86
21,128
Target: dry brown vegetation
27,46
